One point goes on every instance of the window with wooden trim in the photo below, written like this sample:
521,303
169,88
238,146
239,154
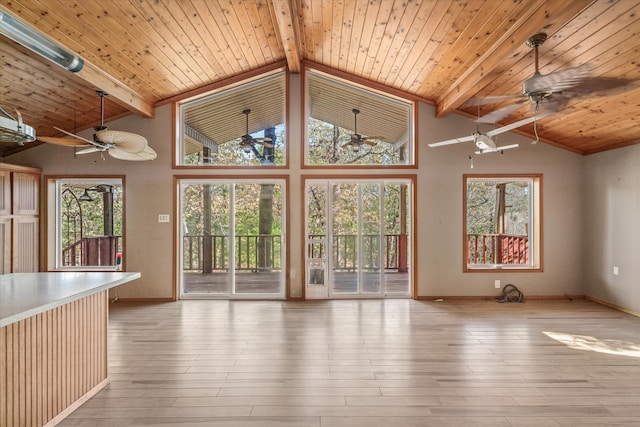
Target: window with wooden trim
236,126
87,224
502,222
352,125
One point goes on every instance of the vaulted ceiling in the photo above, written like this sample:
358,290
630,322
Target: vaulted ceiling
146,53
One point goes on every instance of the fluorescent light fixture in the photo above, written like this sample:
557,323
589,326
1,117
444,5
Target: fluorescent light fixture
26,36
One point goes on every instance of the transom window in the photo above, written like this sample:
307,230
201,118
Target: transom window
502,222
241,125
350,125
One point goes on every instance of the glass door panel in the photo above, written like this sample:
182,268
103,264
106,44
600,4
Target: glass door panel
258,232
317,263
344,238
206,241
232,239
397,229
370,238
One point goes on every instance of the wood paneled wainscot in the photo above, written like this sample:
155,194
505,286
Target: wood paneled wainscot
53,343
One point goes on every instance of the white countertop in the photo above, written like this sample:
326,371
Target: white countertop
23,295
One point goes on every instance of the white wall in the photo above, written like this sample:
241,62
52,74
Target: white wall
149,192
611,211
440,198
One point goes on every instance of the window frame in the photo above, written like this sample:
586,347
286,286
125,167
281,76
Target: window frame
233,85
535,233
372,91
53,255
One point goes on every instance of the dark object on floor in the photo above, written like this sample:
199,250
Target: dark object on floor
511,294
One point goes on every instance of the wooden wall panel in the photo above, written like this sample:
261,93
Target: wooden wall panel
25,244
5,245
50,361
5,192
25,193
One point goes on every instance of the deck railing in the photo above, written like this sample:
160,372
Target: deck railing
92,251
497,249
262,252
253,253
345,255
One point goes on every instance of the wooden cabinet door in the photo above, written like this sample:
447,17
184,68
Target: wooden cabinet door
25,244
5,192
5,245
25,193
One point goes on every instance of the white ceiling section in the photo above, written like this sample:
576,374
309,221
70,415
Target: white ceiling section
332,101
219,116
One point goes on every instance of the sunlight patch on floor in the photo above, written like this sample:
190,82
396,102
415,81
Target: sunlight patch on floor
587,343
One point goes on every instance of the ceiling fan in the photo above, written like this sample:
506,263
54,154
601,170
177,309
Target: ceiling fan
552,92
119,144
248,142
357,139
485,141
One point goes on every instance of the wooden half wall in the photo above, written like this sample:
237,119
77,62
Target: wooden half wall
53,362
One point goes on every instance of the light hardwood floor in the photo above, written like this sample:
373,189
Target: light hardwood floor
369,363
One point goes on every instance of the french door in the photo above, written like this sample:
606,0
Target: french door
358,241
232,238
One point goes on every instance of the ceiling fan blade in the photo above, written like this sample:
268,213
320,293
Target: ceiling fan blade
265,143
69,142
475,102
557,81
147,153
74,135
89,150
498,149
517,124
124,141
262,139
451,141
600,86
501,113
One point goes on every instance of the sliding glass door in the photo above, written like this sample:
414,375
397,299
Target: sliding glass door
358,238
232,238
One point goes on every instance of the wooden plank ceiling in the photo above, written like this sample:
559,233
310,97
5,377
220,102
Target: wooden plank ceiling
446,52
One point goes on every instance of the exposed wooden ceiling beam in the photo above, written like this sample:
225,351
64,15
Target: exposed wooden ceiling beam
288,24
92,74
119,93
545,16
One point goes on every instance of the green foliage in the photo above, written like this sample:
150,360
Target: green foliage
247,199
230,153
481,207
327,147
87,217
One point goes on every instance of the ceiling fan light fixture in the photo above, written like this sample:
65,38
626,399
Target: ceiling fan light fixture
26,36
246,149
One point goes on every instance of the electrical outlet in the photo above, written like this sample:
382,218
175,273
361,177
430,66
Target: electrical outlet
497,284
616,270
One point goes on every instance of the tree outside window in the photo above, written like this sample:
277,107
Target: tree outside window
88,223
502,222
